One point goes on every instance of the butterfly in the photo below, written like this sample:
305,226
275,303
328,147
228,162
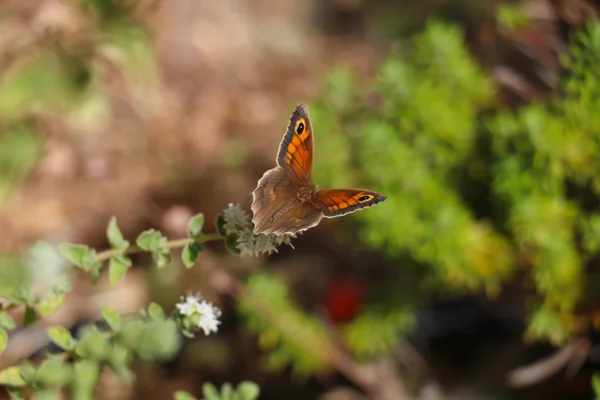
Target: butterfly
286,201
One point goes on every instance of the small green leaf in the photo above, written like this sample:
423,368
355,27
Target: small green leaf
117,268
113,318
182,395
86,376
51,303
93,345
158,341
231,243
248,390
22,295
220,224
195,226
596,385
29,317
45,394
190,253
150,240
156,312
62,287
130,333
15,393
227,391
115,237
7,322
3,339
11,376
54,372
95,272
28,372
79,254
162,257
210,392
119,361
62,337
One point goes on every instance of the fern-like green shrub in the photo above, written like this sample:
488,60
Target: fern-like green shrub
476,193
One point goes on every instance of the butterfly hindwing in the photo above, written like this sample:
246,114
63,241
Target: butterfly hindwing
297,147
299,217
274,193
338,202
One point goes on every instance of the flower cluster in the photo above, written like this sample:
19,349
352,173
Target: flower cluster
197,314
238,223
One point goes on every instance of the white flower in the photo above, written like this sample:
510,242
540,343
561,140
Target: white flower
189,306
199,313
209,314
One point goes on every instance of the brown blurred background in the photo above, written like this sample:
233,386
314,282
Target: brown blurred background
185,115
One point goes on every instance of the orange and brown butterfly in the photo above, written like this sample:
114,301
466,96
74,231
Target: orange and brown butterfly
286,200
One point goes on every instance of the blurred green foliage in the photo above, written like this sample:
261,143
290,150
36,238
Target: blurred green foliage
20,149
288,334
68,77
475,194
511,16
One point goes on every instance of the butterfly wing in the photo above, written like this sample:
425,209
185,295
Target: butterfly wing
337,202
273,196
300,217
296,150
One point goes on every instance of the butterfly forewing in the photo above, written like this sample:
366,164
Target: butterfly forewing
297,147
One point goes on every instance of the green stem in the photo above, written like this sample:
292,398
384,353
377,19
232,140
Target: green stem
173,244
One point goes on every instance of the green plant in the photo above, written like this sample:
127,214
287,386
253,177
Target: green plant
150,336
475,194
244,391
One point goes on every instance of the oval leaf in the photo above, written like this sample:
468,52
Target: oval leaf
3,339
150,240
195,226
162,257
190,253
182,395
248,390
7,322
112,318
119,361
227,391
11,376
62,337
220,224
231,243
209,391
29,317
86,376
156,312
54,372
117,268
51,303
115,237
78,254
95,272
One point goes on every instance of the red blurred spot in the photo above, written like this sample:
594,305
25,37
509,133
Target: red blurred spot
343,299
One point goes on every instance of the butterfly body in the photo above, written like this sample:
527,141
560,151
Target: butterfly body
286,200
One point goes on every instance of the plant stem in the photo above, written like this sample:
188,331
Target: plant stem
173,244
